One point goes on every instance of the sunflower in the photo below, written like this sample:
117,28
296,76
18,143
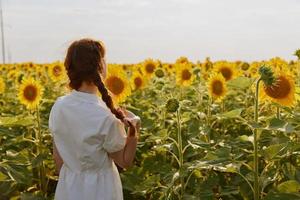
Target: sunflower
137,81
182,60
207,66
30,93
281,92
12,74
278,63
56,72
149,66
41,74
117,83
2,86
170,68
29,67
244,66
184,74
228,70
217,87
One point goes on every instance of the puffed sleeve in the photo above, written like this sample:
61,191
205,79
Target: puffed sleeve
115,135
52,117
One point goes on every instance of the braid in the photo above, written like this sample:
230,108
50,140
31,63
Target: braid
83,63
106,97
109,103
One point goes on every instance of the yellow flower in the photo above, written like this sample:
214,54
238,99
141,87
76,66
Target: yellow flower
117,83
56,72
278,64
30,93
253,70
149,66
2,86
182,60
170,68
127,67
28,66
12,74
207,66
184,74
281,92
228,70
244,66
137,80
217,87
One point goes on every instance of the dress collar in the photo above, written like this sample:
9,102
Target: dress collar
89,97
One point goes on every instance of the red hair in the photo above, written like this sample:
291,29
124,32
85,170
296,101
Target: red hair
84,62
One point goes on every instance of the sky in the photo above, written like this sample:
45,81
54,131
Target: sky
133,30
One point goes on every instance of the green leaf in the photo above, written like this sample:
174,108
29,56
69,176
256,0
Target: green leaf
272,151
240,82
282,196
280,125
17,121
231,114
29,196
2,176
289,186
38,160
245,138
254,125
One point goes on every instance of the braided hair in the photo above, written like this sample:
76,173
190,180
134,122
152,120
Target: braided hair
84,62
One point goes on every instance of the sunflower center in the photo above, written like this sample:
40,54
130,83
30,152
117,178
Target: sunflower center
115,85
30,93
217,87
150,68
226,72
138,82
186,74
57,70
245,66
280,89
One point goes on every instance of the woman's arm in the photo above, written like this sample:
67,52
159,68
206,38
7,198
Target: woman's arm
58,160
125,157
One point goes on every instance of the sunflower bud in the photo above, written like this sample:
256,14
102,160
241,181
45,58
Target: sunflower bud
267,75
297,53
159,73
245,66
172,105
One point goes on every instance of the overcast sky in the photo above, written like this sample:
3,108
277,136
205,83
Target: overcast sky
41,30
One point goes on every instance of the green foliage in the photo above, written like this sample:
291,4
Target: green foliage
212,158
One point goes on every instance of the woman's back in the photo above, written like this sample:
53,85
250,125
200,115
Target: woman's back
84,130
88,133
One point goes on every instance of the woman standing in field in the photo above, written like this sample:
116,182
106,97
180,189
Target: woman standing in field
89,136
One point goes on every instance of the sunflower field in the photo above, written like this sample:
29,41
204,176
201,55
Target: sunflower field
210,130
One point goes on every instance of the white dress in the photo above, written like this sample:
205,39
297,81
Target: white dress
84,130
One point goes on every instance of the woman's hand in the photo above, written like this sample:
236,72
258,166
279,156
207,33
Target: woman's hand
131,121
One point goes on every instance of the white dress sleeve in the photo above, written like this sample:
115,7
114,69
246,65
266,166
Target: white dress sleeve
115,135
52,116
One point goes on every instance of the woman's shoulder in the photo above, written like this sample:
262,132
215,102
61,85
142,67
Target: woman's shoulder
59,101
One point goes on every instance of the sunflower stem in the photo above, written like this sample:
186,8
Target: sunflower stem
42,175
255,160
180,154
223,106
200,97
208,117
277,112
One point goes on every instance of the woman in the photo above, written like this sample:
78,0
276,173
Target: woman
88,132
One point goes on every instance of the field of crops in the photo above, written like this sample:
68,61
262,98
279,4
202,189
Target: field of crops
210,130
